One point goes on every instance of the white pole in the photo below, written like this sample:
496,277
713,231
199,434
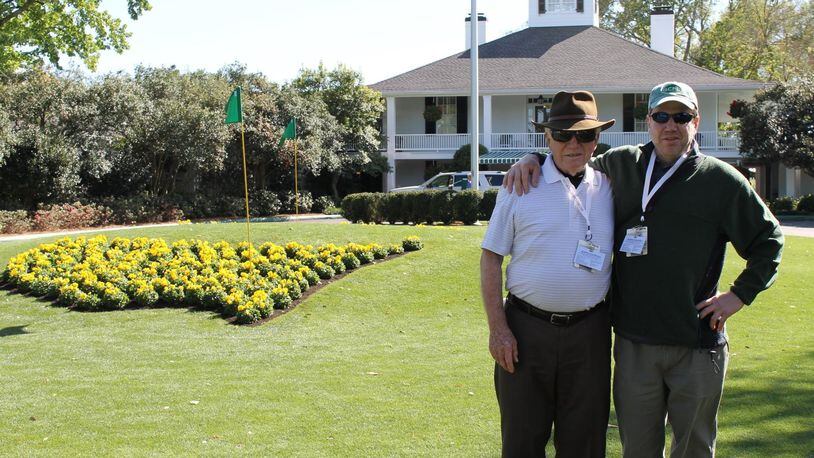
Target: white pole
474,144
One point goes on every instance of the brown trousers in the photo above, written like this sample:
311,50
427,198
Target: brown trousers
562,378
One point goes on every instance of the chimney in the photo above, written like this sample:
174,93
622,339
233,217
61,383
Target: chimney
481,29
662,30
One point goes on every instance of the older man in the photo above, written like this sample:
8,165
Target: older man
551,341
675,211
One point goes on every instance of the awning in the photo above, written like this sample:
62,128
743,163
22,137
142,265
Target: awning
503,156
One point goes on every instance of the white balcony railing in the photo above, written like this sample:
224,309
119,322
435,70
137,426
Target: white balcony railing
715,141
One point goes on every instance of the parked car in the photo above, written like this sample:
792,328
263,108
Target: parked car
456,181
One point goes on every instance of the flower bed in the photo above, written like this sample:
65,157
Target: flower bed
239,281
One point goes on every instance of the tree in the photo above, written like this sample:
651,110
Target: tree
33,30
43,146
631,19
357,110
768,40
779,125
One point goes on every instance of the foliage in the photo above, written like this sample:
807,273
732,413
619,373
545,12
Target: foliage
70,216
631,19
290,200
466,205
462,157
160,132
487,203
362,207
806,204
412,243
323,203
779,125
14,222
34,30
760,39
390,206
432,113
442,210
356,109
601,148
264,203
782,204
239,281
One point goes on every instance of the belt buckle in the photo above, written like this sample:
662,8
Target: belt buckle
559,319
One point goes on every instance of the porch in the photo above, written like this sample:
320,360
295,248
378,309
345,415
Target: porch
721,144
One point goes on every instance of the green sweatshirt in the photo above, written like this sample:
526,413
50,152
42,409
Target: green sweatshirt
704,205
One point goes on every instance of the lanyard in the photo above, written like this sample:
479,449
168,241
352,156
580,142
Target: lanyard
585,210
647,196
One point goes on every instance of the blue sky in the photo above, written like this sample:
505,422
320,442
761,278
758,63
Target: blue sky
379,38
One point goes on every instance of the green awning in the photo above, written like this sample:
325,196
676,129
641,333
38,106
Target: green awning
503,156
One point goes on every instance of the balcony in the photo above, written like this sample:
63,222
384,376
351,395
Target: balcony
435,146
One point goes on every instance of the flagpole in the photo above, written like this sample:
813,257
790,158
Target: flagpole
245,184
296,188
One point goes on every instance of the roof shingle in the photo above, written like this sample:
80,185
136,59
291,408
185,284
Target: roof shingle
549,59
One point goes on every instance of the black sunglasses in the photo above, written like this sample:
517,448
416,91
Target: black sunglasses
565,136
680,118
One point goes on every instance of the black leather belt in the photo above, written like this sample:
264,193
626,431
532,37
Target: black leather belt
555,318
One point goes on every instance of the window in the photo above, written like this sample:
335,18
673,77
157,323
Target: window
495,180
640,112
561,6
441,182
448,124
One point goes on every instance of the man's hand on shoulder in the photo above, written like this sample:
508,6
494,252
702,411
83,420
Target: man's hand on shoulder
523,174
720,306
503,347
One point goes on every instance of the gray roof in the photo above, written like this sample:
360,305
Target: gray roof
543,60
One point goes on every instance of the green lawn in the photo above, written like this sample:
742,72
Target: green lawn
389,361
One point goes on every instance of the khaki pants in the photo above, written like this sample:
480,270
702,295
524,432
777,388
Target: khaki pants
653,384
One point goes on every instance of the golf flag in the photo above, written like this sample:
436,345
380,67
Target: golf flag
290,131
234,108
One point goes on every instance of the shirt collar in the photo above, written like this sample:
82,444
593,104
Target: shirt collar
552,175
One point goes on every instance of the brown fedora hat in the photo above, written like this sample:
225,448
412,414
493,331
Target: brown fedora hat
574,111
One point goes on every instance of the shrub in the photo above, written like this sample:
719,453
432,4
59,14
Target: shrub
323,203
143,208
806,204
782,204
390,206
14,222
487,203
412,243
362,207
71,216
421,210
466,206
461,158
407,202
442,210
288,200
264,203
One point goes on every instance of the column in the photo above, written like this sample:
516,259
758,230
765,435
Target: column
390,177
487,121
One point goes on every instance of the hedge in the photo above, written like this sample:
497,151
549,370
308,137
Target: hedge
419,207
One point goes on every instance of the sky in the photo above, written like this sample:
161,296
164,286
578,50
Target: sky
378,38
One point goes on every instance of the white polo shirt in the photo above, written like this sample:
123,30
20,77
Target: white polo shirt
541,231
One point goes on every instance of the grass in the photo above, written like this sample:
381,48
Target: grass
389,361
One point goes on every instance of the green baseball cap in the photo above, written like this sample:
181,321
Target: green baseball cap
673,91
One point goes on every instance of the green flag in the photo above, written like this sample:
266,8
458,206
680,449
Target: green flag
234,108
290,131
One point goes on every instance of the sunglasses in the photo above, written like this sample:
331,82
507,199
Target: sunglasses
679,118
565,136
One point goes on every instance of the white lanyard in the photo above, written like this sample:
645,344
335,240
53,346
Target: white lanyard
584,210
646,196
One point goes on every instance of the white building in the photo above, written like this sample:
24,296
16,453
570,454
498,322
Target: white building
562,49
